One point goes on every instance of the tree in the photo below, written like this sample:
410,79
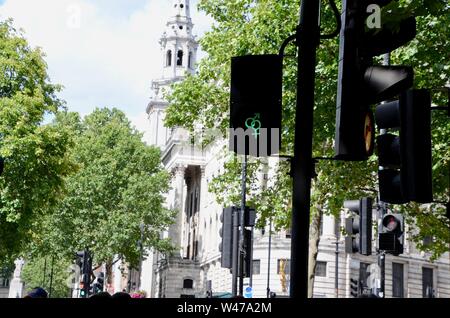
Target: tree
51,273
120,184
35,153
249,27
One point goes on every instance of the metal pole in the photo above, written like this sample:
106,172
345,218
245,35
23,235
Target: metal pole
241,233
141,256
336,270
51,278
381,254
45,272
308,34
235,265
251,258
268,259
382,264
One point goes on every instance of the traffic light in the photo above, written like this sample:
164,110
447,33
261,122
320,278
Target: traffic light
84,260
391,234
248,246
405,158
255,104
97,285
2,165
361,83
359,229
354,287
250,217
226,233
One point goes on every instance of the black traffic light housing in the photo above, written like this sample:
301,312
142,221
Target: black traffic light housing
360,82
2,165
391,234
84,260
406,173
255,105
97,285
359,229
226,233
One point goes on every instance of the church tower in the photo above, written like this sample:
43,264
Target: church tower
178,58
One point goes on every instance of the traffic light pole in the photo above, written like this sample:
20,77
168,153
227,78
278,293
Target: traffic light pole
308,34
235,253
241,233
382,254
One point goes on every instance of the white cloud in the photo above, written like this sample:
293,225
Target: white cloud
105,52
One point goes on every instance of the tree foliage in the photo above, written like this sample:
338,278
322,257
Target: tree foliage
120,184
259,27
51,273
36,159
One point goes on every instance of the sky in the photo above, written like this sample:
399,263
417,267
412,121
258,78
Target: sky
104,52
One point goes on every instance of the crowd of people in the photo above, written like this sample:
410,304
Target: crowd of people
39,292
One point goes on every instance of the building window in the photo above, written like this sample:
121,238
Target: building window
190,60
169,58
427,241
188,284
180,58
4,282
284,266
397,280
256,267
321,269
427,283
288,233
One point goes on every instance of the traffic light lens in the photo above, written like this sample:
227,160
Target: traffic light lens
369,133
391,223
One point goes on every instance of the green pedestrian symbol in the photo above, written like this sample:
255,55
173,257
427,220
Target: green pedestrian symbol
255,124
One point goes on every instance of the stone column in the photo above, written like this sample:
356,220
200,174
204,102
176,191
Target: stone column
202,244
176,229
329,227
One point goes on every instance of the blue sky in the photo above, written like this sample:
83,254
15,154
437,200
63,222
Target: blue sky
104,52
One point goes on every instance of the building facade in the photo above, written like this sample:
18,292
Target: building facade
196,267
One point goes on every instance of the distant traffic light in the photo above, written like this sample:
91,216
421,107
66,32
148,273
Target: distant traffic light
391,235
360,82
359,229
84,260
226,233
354,288
2,165
255,104
249,217
406,158
97,285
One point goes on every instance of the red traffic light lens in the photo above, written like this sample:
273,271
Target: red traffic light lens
390,222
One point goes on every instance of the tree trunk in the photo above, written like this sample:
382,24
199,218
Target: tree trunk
108,274
314,237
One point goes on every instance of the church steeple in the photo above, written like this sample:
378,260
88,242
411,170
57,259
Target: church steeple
178,44
179,53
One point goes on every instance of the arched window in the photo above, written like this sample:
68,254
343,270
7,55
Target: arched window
188,283
180,58
190,60
169,58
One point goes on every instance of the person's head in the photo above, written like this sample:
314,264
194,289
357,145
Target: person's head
121,295
37,292
101,295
